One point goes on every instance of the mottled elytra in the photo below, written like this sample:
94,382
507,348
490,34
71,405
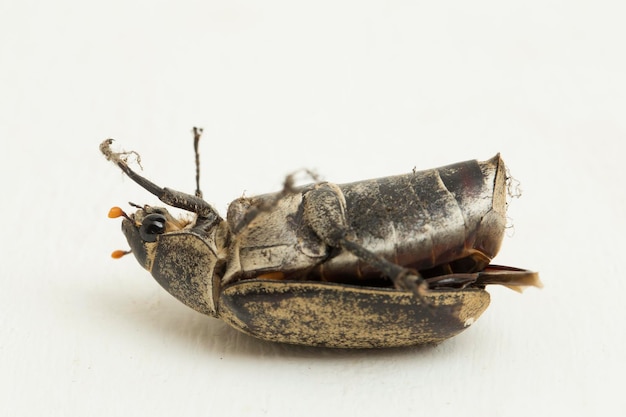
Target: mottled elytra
393,261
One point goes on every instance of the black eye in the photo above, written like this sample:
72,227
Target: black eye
151,226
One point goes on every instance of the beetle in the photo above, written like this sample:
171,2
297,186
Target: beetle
388,262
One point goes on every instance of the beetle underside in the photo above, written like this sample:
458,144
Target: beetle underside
387,262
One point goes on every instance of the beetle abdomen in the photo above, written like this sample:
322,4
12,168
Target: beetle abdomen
426,218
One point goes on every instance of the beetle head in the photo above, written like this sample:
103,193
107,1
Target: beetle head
180,254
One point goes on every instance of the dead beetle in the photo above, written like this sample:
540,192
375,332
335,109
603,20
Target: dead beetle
387,262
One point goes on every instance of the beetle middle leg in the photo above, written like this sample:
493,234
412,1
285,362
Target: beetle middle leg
289,187
325,213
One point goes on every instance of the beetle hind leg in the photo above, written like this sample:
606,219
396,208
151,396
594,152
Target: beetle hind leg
324,212
403,278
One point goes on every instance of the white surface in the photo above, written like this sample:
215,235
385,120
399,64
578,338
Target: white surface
353,90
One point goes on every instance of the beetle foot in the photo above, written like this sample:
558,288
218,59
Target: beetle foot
118,157
411,281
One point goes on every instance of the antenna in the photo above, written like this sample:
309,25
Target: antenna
197,133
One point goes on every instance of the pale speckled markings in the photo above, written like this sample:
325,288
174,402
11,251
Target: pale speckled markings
184,266
341,316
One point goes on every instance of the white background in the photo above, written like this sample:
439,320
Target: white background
352,89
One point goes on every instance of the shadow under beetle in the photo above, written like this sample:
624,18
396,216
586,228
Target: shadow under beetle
393,261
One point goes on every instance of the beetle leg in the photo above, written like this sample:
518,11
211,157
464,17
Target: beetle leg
289,187
403,278
324,211
171,197
513,278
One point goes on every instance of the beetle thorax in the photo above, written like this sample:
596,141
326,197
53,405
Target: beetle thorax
181,254
185,265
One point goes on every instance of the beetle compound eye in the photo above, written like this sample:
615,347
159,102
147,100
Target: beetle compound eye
152,225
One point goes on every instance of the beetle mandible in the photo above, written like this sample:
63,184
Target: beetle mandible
393,261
